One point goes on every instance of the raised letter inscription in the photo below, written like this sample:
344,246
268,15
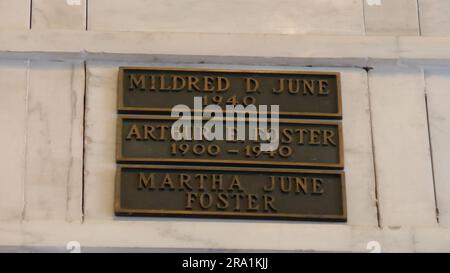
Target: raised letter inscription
299,94
230,192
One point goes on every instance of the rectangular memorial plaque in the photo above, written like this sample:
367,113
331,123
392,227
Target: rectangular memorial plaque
302,143
299,94
229,192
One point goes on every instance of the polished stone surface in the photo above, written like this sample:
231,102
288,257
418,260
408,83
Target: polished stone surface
229,16
13,117
434,17
59,84
54,147
438,94
59,14
15,14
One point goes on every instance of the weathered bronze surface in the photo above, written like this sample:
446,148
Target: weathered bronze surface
228,192
299,93
144,139
230,178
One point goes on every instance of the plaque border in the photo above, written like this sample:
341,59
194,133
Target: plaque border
119,211
126,110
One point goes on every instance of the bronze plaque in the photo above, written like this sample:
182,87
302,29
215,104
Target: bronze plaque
260,193
143,139
299,93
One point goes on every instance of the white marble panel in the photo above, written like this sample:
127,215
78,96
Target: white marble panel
101,108
432,240
13,94
438,94
391,17
15,14
100,140
53,174
359,168
434,17
228,16
402,151
59,14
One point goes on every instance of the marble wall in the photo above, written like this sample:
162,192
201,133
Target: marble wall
15,14
58,118
321,17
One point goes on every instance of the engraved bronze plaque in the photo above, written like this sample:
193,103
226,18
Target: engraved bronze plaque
299,93
254,193
143,139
